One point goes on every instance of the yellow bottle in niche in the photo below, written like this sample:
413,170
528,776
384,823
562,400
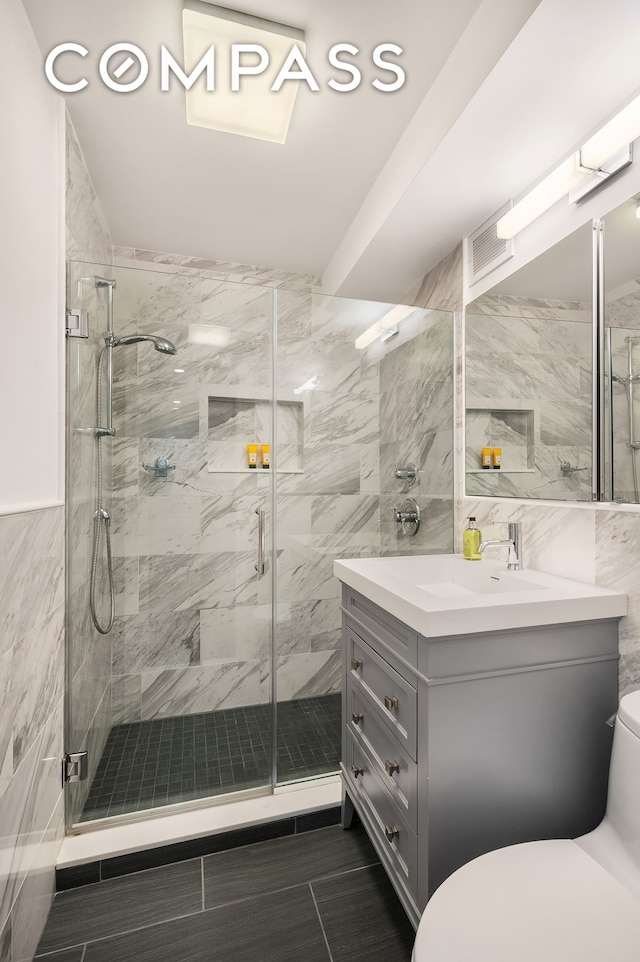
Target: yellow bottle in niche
471,538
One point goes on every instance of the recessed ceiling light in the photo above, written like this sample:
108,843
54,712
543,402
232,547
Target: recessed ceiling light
254,110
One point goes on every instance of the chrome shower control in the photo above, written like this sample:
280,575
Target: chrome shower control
408,516
407,473
161,468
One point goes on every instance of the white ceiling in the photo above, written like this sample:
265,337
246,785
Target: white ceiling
370,190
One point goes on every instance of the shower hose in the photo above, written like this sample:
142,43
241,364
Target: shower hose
101,518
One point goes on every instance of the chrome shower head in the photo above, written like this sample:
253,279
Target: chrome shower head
161,344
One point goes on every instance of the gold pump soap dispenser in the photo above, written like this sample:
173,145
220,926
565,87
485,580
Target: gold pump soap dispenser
471,538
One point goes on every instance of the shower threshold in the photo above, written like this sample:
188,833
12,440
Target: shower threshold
152,764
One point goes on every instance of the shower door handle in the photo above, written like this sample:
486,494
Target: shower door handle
260,566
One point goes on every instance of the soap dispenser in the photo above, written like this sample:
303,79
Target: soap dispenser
471,538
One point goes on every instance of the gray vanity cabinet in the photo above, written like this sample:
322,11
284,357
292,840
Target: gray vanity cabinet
456,746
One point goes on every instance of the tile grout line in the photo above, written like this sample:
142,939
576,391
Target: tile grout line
63,948
214,908
324,934
84,951
202,879
112,935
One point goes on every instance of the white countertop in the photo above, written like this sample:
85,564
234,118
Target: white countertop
439,595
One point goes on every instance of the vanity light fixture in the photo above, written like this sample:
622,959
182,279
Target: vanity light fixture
600,157
386,327
550,190
388,334
309,385
239,41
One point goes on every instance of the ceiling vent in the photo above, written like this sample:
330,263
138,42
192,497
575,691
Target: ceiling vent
486,250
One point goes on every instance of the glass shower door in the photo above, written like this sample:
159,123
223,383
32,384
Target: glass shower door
180,711
349,409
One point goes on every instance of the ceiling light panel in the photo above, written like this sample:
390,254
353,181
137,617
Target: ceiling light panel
254,110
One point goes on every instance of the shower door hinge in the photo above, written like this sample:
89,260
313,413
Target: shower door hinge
75,767
77,322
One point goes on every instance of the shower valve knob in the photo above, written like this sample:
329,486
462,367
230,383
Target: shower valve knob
161,468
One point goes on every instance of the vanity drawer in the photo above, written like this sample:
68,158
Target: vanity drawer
392,835
381,630
397,772
394,698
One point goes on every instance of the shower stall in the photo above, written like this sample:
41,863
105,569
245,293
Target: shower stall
204,622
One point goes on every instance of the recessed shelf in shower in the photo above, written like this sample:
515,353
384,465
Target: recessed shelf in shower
510,427
234,422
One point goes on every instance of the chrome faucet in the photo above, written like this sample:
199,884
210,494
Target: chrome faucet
513,543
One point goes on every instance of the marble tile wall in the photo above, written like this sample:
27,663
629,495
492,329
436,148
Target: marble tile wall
214,269
441,287
193,626
31,722
416,427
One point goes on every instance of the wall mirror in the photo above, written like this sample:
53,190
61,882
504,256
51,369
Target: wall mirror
529,377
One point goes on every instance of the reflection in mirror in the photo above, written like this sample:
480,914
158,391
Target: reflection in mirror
622,318
528,358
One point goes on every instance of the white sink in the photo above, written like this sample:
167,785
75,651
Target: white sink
445,595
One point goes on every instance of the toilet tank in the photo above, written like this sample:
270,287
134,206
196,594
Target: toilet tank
623,799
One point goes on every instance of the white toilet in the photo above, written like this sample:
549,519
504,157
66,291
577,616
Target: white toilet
553,901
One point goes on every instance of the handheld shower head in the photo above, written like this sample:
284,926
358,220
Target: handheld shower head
161,344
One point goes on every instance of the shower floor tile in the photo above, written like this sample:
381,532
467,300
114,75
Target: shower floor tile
168,760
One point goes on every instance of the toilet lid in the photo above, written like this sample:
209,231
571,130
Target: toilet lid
537,902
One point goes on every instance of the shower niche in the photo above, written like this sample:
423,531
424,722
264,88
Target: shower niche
505,425
234,421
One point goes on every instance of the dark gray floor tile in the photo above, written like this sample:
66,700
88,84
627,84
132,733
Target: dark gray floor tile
66,955
269,929
278,864
96,911
363,919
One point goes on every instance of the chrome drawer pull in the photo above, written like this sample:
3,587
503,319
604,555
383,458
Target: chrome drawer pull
391,833
390,702
356,772
356,717
391,768
356,663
